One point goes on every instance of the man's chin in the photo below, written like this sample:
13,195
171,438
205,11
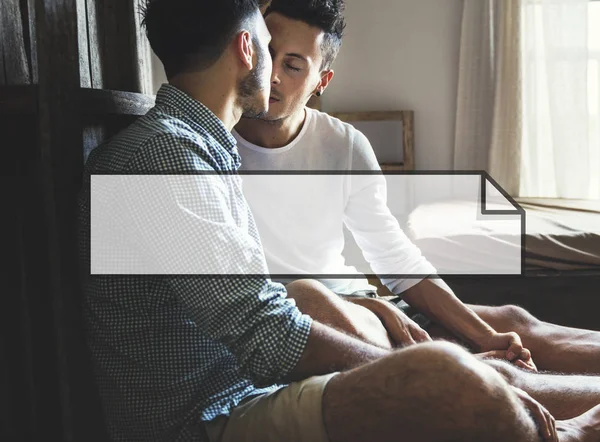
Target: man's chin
265,116
255,114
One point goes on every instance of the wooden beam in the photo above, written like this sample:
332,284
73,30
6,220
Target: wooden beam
106,102
94,37
85,73
32,46
19,135
2,73
53,274
142,52
12,38
408,145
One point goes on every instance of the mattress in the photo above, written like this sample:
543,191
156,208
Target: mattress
554,234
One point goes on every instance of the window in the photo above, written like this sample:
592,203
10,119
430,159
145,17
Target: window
594,93
561,99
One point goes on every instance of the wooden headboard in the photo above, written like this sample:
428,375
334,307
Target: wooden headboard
406,144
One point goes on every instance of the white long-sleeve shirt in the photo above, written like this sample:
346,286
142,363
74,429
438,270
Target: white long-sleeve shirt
300,217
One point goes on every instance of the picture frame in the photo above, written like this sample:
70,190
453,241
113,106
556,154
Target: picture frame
379,128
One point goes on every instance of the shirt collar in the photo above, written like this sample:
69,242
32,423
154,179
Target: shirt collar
171,96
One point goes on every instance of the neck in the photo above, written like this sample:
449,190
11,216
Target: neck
213,91
272,134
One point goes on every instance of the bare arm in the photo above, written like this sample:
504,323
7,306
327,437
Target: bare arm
435,299
328,350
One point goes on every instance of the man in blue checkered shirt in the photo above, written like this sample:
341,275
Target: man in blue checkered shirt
230,358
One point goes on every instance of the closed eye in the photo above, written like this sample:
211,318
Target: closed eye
289,66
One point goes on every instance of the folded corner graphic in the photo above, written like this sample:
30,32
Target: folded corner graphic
323,225
479,229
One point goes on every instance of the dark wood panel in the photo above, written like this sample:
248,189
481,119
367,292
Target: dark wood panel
94,42
13,39
7,429
2,70
84,44
15,323
112,40
142,52
117,47
85,101
18,100
54,265
97,129
108,102
31,38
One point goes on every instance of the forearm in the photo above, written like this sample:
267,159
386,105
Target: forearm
435,299
328,350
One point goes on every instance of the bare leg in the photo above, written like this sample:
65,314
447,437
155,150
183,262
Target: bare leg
564,396
582,428
427,392
554,347
320,303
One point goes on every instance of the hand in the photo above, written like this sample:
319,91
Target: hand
402,330
544,420
501,354
511,344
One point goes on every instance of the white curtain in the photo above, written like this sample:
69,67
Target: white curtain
488,122
561,130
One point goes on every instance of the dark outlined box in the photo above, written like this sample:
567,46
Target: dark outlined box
462,222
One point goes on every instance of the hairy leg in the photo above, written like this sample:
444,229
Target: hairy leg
564,396
554,347
426,392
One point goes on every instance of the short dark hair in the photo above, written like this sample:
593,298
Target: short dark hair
327,15
193,33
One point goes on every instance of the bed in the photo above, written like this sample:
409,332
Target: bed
560,278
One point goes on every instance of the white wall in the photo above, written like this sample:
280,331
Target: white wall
399,55
403,55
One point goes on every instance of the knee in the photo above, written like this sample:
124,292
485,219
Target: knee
436,354
471,394
509,372
451,365
512,314
310,295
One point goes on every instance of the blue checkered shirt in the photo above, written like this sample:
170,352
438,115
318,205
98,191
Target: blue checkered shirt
172,351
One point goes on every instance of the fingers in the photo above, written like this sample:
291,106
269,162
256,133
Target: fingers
529,366
525,355
548,429
552,423
401,335
418,334
543,418
494,354
516,346
525,361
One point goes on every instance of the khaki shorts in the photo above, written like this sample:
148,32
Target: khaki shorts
292,414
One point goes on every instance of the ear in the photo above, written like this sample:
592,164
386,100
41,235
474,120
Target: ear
326,78
245,49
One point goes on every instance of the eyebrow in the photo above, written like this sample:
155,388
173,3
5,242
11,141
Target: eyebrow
290,54
296,56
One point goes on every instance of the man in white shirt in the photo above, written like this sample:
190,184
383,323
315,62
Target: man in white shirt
305,236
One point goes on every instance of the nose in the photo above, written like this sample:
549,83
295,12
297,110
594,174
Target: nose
275,76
